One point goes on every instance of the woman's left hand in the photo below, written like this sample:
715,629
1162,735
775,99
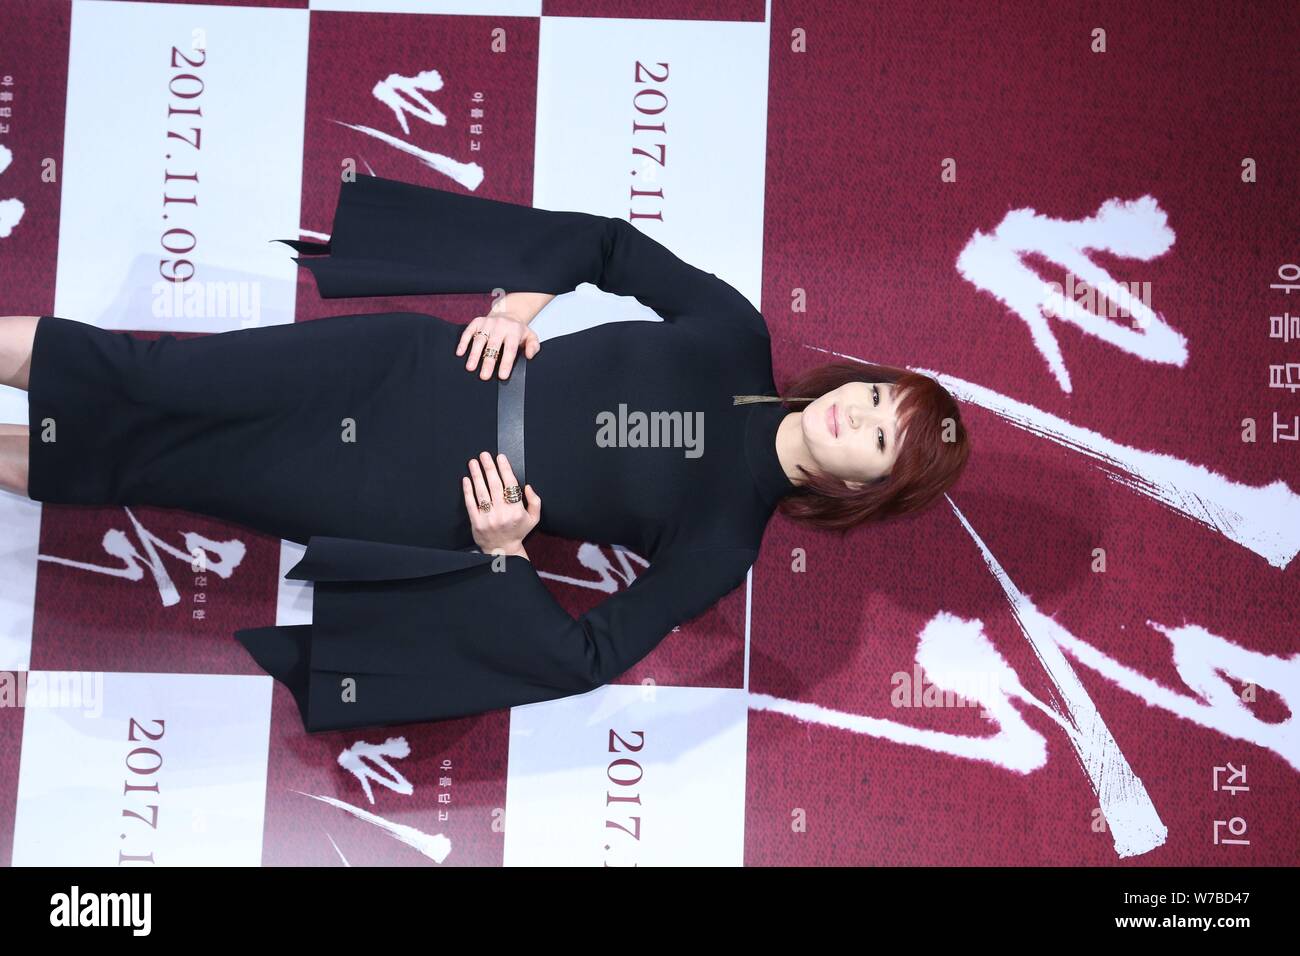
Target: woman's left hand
504,525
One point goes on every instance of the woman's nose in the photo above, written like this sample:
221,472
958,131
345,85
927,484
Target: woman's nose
861,417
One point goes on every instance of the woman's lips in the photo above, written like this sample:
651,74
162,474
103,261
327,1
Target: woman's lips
832,423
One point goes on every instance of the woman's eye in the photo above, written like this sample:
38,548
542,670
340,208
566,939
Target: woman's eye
875,395
881,440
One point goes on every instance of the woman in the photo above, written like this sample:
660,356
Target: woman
354,434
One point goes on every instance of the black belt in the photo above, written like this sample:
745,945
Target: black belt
510,416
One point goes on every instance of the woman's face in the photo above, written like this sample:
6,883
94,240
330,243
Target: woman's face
852,432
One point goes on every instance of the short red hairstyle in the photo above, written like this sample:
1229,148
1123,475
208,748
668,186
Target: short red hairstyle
934,447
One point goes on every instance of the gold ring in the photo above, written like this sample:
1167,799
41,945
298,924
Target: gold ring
485,506
514,494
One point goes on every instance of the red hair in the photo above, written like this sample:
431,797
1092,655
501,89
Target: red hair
934,447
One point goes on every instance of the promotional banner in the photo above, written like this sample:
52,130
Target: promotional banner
1080,220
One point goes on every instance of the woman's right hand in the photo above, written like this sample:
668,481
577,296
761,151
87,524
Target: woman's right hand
505,328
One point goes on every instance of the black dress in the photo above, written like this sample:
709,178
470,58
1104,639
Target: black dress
247,426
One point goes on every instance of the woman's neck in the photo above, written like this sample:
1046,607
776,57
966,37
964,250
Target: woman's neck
790,448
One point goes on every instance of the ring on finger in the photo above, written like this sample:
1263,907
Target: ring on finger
482,493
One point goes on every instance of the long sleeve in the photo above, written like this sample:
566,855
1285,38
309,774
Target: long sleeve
422,633
395,238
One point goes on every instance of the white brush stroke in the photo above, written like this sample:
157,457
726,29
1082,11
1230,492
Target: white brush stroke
1130,815
11,210
358,759
435,846
1138,229
337,850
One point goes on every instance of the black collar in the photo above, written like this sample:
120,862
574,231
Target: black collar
760,450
